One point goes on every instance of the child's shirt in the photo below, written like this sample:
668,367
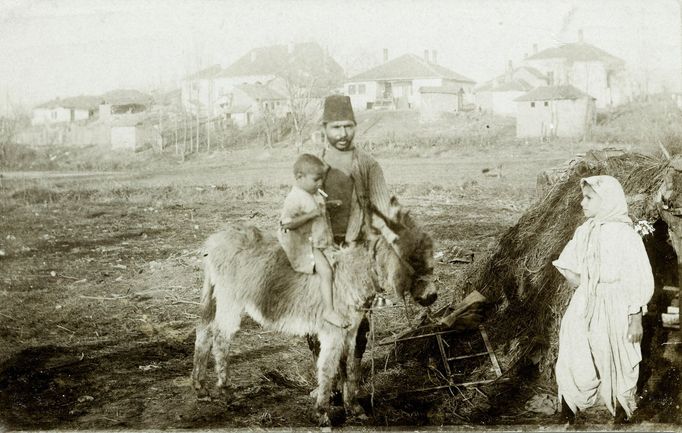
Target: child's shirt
298,243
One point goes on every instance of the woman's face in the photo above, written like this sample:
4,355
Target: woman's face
591,202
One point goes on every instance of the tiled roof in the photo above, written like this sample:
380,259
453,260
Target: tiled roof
260,92
126,97
306,60
81,102
408,67
547,93
210,72
577,52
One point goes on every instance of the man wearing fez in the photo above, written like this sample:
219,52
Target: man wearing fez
354,182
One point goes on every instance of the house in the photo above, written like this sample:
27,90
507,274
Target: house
133,132
249,102
123,101
199,92
437,100
65,110
555,111
498,95
588,68
278,66
397,83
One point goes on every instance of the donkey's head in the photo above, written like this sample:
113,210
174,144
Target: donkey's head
402,255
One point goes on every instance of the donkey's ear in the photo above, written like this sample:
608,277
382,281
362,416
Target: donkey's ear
393,208
390,222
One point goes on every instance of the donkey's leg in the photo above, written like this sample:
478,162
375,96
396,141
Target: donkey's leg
204,337
352,377
202,350
225,325
331,346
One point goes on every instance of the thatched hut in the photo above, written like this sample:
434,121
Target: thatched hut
529,296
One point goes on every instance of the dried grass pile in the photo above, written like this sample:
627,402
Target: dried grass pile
517,276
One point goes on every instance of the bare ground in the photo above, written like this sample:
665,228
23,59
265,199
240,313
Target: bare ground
100,279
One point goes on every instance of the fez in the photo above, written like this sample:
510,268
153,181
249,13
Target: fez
337,108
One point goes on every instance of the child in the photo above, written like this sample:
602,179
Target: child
599,339
305,232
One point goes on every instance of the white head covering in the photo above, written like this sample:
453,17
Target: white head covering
613,209
614,206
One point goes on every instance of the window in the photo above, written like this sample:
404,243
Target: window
361,89
546,103
351,89
532,104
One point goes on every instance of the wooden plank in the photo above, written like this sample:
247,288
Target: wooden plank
474,355
476,382
491,352
443,355
414,337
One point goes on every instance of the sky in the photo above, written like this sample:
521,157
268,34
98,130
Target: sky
61,48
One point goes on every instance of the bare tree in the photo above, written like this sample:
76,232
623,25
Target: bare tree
302,106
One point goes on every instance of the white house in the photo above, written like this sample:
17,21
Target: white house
249,102
499,94
305,64
397,83
64,110
555,111
588,68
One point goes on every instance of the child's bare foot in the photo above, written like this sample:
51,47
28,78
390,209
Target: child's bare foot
335,319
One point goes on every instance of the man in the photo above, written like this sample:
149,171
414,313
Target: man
355,179
354,182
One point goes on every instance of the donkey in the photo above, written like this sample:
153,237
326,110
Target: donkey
246,270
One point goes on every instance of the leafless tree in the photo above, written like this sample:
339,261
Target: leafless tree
303,106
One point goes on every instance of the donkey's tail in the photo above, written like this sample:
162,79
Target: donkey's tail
207,301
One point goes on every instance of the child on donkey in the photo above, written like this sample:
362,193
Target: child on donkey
599,339
305,230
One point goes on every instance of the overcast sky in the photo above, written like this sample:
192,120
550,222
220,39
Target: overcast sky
60,48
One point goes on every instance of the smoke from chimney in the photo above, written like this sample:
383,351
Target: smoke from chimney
385,55
535,48
426,55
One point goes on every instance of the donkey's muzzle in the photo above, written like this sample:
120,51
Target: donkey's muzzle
427,300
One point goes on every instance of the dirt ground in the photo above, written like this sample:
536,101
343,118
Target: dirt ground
100,278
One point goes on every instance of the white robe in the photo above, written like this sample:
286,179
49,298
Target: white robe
596,359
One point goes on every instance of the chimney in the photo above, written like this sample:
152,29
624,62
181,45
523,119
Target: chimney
385,55
426,55
510,71
580,36
535,48
434,57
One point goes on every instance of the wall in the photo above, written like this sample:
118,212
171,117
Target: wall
359,101
43,116
562,118
417,84
123,137
434,104
503,102
65,134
